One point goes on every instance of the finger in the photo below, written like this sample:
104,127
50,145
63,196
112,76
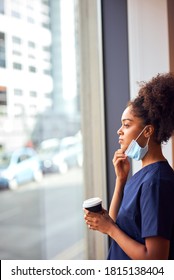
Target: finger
119,160
85,210
118,154
92,214
91,227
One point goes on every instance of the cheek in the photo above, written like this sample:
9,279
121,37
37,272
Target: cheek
124,145
128,137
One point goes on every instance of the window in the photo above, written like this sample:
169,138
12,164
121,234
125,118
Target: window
16,40
46,25
1,6
3,96
18,92
31,56
17,46
31,44
2,50
30,20
46,2
47,71
17,66
32,69
17,53
46,212
33,93
15,14
48,95
46,49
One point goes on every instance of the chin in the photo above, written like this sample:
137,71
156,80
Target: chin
123,147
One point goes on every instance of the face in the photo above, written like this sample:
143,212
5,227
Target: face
130,129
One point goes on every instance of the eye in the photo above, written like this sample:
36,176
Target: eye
126,125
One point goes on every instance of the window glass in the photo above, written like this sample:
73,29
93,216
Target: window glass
41,197
1,6
2,50
3,98
18,92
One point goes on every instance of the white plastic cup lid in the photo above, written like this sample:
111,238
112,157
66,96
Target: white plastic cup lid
94,201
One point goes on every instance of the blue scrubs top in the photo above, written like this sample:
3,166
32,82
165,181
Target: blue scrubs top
147,207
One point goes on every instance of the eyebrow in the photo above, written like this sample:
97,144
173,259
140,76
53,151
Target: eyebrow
127,120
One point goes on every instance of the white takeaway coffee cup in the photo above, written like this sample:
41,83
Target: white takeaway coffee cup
93,204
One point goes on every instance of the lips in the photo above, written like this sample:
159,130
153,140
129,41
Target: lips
120,140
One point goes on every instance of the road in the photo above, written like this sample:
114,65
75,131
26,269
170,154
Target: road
43,220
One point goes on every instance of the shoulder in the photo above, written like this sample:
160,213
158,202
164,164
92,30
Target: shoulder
159,170
159,175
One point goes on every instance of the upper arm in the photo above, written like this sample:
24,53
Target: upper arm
157,248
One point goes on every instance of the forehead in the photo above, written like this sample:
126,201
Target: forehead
128,115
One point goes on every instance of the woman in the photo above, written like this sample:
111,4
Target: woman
141,214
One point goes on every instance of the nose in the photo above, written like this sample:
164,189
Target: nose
119,131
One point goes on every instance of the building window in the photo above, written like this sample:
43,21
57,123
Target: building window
46,49
2,50
17,66
15,14
31,45
31,56
16,40
18,92
32,69
1,6
48,95
30,20
17,53
30,8
47,71
46,2
3,96
33,93
50,111
46,25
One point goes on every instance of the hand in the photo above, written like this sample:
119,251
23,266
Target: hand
100,221
121,165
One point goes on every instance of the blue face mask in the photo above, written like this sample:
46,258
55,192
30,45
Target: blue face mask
134,150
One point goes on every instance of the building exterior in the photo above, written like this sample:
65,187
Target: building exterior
121,43
25,67
38,89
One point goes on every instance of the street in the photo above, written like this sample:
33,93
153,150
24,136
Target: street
44,220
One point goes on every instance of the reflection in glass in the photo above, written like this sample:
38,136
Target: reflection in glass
41,196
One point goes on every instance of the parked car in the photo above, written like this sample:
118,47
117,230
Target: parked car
46,151
19,167
70,154
60,155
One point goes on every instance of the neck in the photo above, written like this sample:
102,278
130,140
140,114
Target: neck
153,155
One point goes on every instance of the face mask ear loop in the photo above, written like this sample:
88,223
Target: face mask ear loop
148,141
140,133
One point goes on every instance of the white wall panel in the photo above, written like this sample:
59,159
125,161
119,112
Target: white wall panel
148,47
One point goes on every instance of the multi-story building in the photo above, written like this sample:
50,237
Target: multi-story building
38,76
25,67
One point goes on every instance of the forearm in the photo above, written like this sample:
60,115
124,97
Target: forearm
116,199
155,248
132,248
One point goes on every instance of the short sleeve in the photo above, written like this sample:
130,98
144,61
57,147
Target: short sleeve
157,208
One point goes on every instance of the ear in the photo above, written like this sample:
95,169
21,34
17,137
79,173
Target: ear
149,130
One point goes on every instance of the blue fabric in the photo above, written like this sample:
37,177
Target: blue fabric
147,207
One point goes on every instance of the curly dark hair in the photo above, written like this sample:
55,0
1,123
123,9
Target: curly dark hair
155,105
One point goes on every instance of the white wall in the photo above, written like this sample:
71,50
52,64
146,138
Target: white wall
148,47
